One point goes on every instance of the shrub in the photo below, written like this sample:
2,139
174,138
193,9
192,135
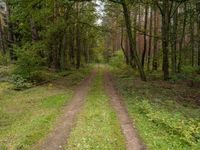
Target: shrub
117,60
19,82
29,60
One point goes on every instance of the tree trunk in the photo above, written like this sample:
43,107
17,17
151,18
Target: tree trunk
182,39
2,43
34,34
122,47
150,39
165,37
131,41
198,34
145,37
192,40
155,41
174,42
63,50
78,40
71,46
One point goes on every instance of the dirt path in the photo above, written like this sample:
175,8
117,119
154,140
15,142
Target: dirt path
132,140
58,137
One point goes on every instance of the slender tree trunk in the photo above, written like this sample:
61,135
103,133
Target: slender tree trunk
2,43
10,34
71,46
192,40
198,32
182,39
63,55
122,47
174,42
150,39
165,37
155,41
145,37
131,41
34,33
78,40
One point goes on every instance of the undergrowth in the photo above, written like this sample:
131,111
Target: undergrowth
28,115
162,121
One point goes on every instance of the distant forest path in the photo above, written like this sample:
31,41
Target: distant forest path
57,138
133,142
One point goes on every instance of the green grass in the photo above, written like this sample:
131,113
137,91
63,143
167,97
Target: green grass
97,127
163,120
27,116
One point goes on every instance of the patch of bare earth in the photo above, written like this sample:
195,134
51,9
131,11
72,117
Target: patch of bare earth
57,138
133,141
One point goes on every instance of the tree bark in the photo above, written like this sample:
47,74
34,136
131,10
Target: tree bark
145,37
174,42
182,39
198,34
122,47
131,41
150,40
78,40
165,37
155,41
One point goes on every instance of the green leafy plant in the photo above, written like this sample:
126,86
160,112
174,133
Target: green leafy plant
19,82
117,60
29,60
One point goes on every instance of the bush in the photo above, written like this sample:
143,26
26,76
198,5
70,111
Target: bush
19,82
117,60
29,60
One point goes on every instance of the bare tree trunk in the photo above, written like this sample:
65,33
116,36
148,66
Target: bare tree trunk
131,41
71,46
174,42
192,40
198,32
155,41
2,43
78,40
63,54
34,33
165,37
145,37
182,38
150,39
122,47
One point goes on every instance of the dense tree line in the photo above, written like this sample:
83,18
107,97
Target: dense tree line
153,34
54,33
164,33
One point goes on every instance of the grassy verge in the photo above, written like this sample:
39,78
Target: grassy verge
27,116
163,119
97,127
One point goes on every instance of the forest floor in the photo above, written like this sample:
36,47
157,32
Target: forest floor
99,110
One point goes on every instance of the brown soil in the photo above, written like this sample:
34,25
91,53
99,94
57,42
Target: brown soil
133,141
57,138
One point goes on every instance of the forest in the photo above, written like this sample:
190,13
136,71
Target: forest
99,74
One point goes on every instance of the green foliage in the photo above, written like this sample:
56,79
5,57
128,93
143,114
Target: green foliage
162,122
188,130
117,60
27,116
4,59
20,82
29,60
188,72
